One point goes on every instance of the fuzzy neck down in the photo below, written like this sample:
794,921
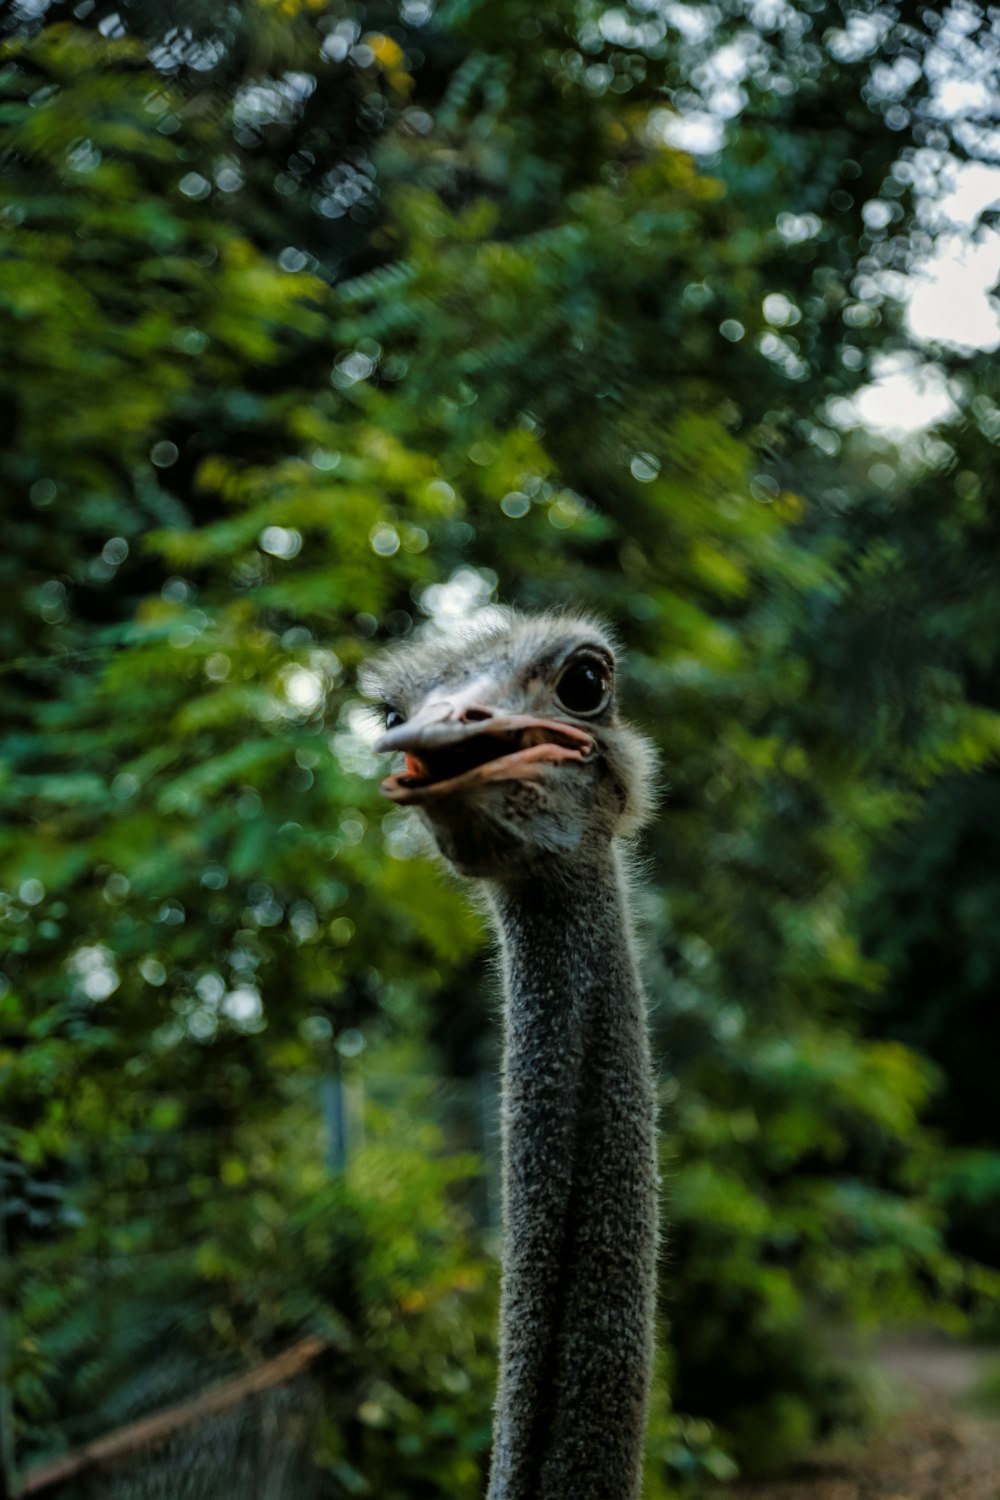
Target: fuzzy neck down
580,1221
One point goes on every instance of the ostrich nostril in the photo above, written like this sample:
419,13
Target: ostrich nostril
475,715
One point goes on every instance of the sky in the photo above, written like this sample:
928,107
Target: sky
949,301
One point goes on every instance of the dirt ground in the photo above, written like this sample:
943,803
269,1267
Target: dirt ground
939,1449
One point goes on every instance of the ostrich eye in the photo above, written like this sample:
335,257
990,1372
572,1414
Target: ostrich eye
393,718
584,686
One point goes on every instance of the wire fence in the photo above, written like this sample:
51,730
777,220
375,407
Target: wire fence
252,1436
184,1434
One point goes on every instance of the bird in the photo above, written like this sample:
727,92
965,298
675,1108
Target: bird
532,786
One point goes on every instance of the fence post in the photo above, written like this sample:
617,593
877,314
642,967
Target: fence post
331,1103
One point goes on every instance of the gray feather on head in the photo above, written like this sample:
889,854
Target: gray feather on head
515,747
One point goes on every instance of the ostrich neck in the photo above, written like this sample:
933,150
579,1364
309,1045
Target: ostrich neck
577,1304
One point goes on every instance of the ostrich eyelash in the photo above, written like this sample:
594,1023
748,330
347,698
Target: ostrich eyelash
374,716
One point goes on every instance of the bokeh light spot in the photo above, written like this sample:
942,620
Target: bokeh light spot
384,540
280,541
164,454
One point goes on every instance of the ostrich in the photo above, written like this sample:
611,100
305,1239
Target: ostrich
529,780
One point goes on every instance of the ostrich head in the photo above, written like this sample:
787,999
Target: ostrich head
514,749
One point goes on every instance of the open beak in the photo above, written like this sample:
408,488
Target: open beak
447,754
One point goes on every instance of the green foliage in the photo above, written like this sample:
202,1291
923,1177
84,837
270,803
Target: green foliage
381,1261
789,1172
318,323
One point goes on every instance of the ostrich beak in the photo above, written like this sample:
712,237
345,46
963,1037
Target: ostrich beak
450,749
